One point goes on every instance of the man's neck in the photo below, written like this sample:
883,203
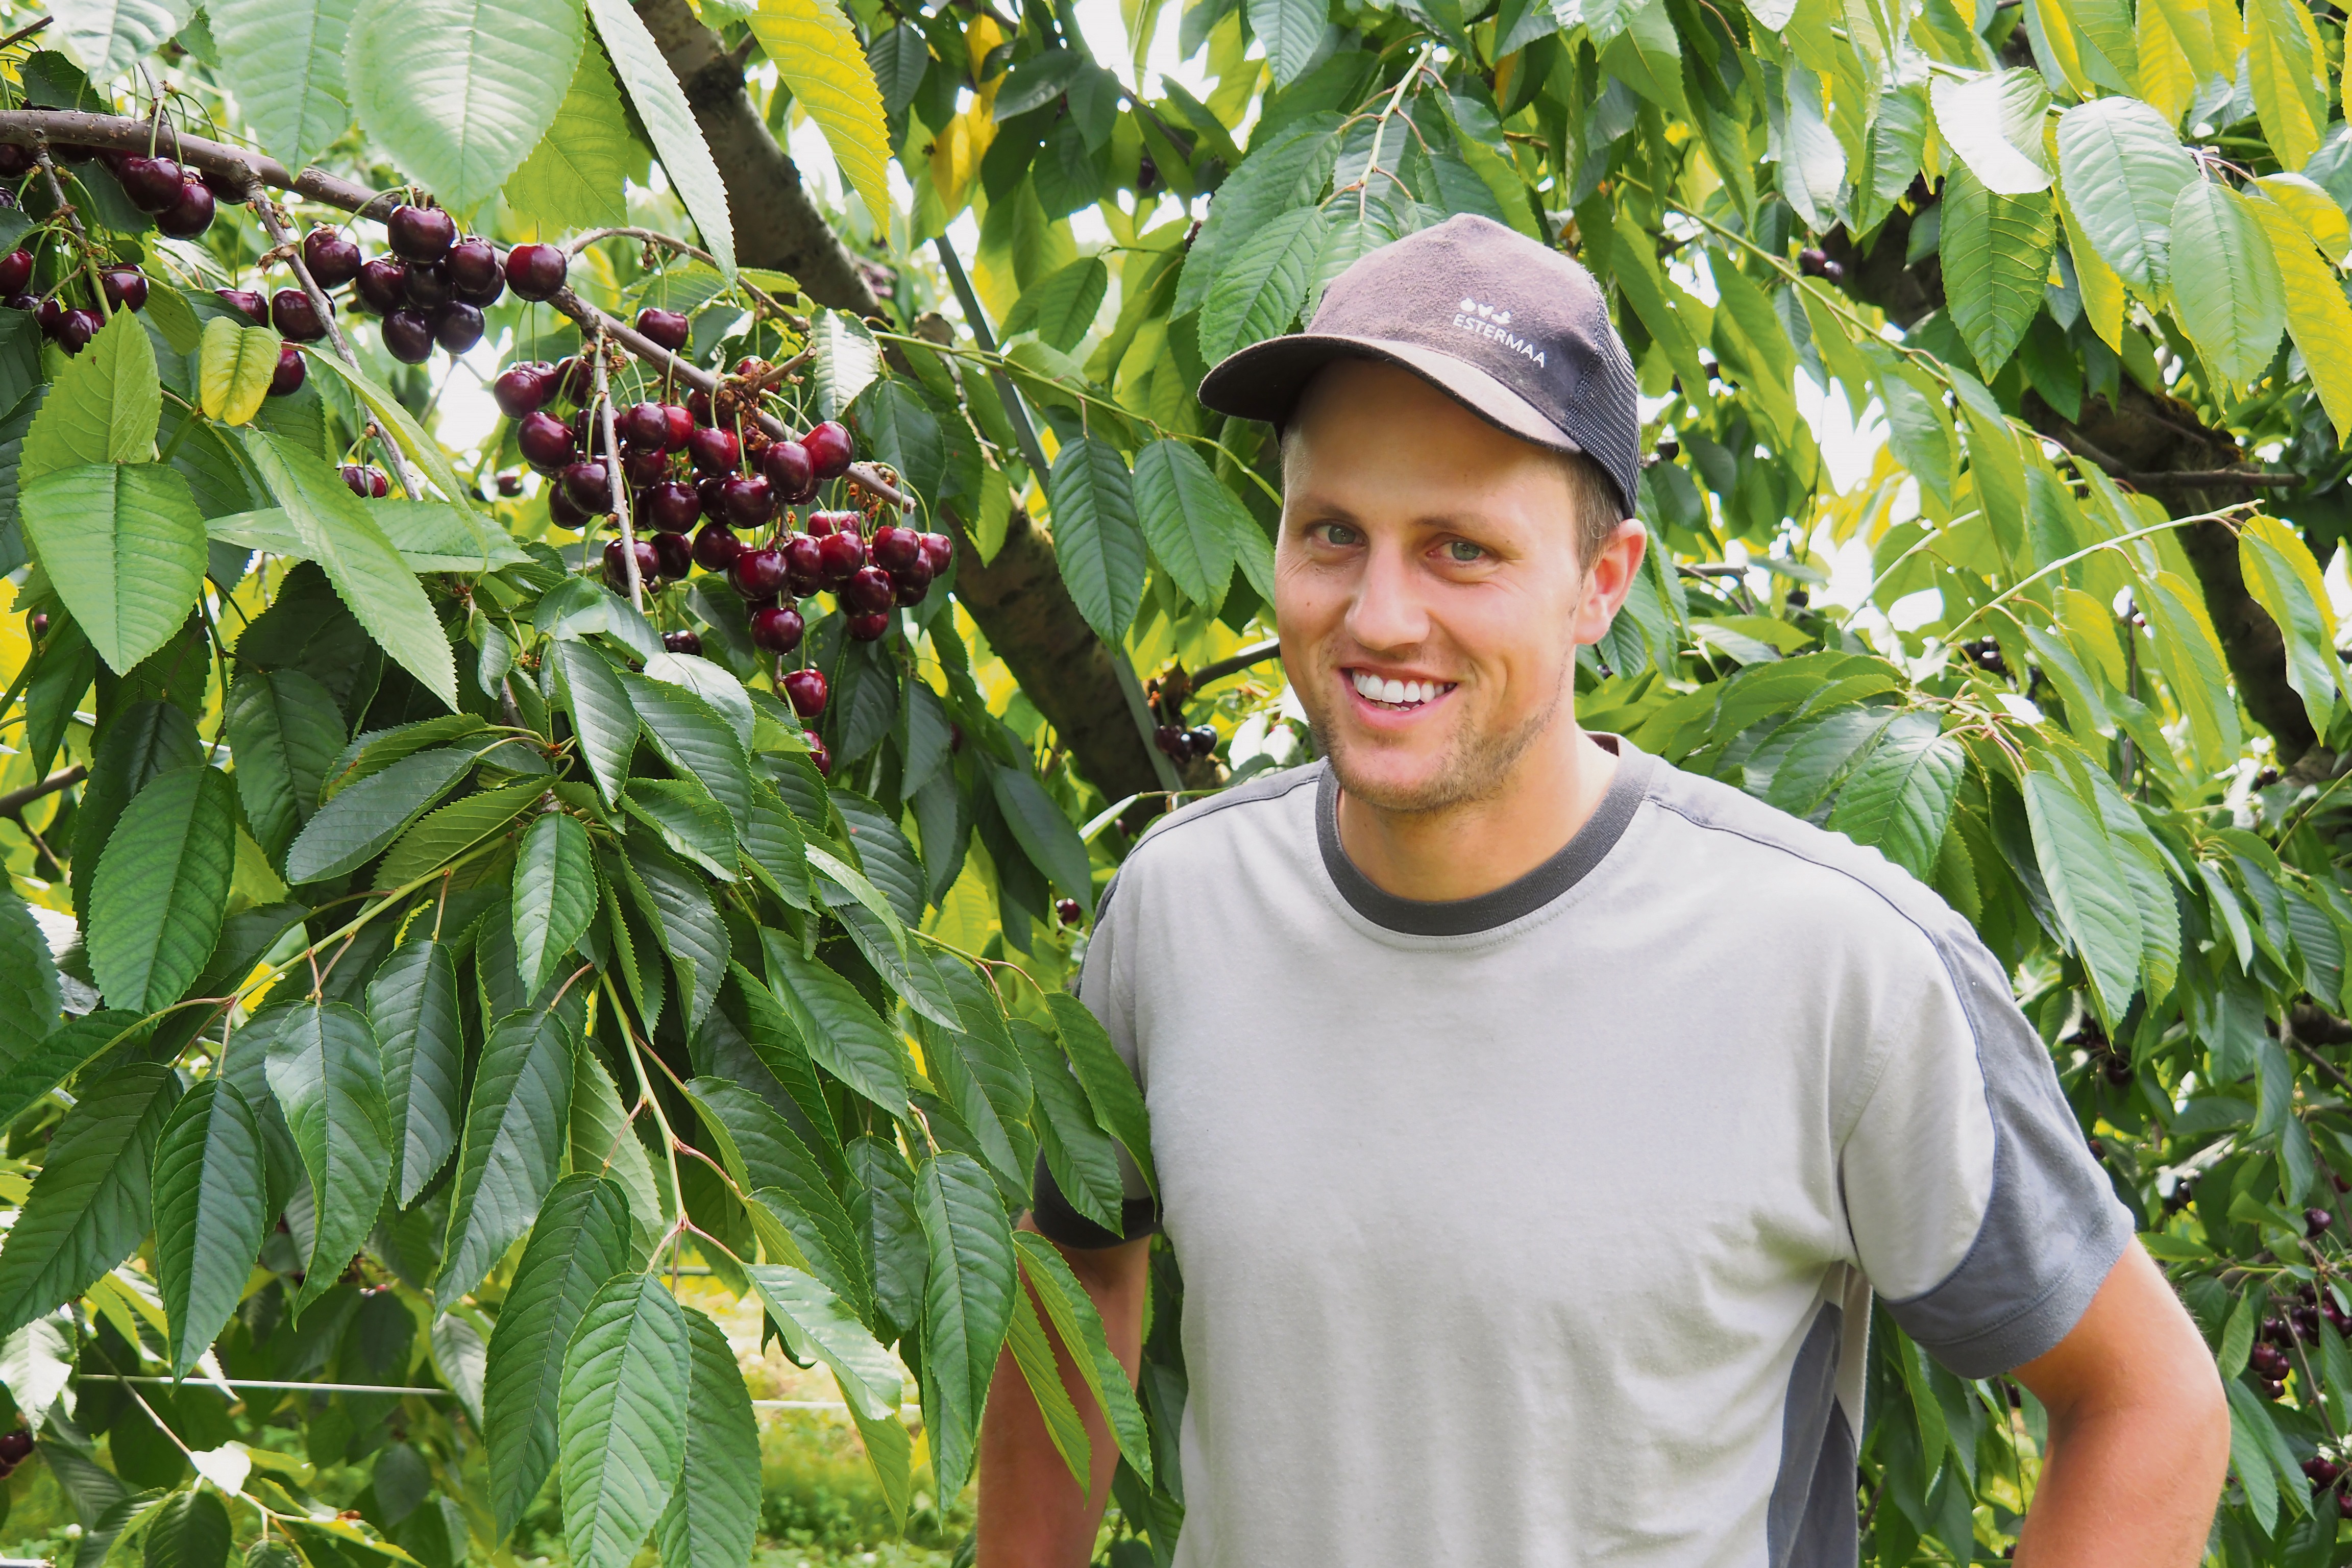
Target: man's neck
1486,844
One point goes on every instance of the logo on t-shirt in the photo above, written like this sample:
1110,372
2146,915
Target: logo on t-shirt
1493,324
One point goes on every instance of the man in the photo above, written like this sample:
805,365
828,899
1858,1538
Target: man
1533,1121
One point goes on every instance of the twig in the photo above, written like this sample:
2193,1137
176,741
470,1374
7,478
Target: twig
2327,1069
16,800
21,33
619,484
73,220
2203,477
671,242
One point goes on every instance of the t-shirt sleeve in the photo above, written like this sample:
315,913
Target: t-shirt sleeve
1977,1209
1103,986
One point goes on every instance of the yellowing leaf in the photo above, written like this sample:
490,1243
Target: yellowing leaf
2315,209
574,178
2191,25
2288,70
2316,315
2168,82
817,55
235,369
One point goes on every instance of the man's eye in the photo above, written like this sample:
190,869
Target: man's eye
1463,552
1338,533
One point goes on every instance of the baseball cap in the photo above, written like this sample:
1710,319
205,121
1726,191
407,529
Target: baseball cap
1513,330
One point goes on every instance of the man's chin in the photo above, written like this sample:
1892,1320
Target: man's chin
1389,778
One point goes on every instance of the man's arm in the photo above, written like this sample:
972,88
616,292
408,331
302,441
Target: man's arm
2139,1431
1032,1514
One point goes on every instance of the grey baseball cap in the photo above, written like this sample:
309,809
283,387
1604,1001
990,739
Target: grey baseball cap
1514,332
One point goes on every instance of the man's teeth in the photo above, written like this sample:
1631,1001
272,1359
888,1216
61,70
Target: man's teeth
1397,693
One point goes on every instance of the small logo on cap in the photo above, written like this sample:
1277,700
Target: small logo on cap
1485,312
1491,323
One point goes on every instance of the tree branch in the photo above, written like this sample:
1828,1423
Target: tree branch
16,800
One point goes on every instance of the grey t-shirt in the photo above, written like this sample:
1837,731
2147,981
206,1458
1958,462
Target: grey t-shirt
1540,1227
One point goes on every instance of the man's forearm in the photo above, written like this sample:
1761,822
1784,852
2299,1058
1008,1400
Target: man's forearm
1032,1512
2131,1487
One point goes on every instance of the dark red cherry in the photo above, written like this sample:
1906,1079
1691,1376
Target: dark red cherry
938,549
291,313
383,285
672,505
1200,741
911,582
576,378
706,496
698,407
868,588
536,271
50,315
788,467
473,267
15,1447
587,483
22,302
16,271
747,499
426,287
714,451
817,754
716,547
830,450
457,326
1170,739
545,440
366,481
805,690
190,216
681,426
78,329
675,553
1068,912
616,564
840,555
126,286
666,328
643,425
868,628
686,642
420,234
757,573
290,373
153,184
510,482
331,257
249,302
408,336
2316,1221
819,525
777,630
643,467
563,512
896,549
521,389
803,558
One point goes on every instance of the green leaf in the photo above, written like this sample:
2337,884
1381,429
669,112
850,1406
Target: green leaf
675,901
714,1516
2123,169
895,426
327,1075
843,359
1082,1158
124,546
285,730
1096,539
373,583
1063,306
235,366
88,1207
2318,316
284,61
621,1421
601,713
413,1011
1994,123
1291,30
2094,903
443,835
1118,1101
1080,1328
818,57
393,415
513,1148
2286,65
2225,288
579,1241
574,178
818,1327
884,851
1188,519
694,740
162,886
1045,834
108,36
102,408
1258,292
191,1530
1290,168
669,123
1900,799
359,823
2250,1427
1032,1352
769,1162
29,993
2285,581
211,1187
460,91
842,1033
966,1305
554,896
1996,254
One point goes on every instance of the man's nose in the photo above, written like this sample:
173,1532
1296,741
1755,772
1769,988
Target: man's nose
1387,613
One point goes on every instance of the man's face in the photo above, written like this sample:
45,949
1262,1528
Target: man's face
1428,589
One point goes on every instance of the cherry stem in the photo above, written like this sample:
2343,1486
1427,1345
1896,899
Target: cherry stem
618,482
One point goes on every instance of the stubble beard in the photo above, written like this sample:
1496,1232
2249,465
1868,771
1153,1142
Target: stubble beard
1473,767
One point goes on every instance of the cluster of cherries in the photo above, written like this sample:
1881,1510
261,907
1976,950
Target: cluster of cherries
16,1448
2269,1360
2324,1474
431,290
1182,746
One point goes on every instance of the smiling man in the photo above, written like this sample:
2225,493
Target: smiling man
1534,1122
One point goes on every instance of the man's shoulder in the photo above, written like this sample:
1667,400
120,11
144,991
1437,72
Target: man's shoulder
1208,830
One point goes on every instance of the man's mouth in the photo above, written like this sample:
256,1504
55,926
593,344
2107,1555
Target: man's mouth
1397,696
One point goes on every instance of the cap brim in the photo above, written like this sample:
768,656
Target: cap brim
1265,380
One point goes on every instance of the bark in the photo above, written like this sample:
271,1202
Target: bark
2142,435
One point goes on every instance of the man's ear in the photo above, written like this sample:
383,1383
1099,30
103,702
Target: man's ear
1607,578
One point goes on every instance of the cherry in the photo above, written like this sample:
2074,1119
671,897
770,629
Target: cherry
841,554
682,642
473,267
16,271
510,482
126,286
666,328
2275,1330
536,271
1068,912
829,450
50,315
290,373
1201,741
457,326
426,287
788,467
249,302
716,547
2317,1221
190,216
819,525
331,257
706,496
563,512
521,389
868,628
22,302
645,425
938,549
576,377
545,440
15,1447
672,505
152,183
367,481
714,451
911,582
2323,1472
383,285
41,622
758,574
805,558
2344,1505
747,499
78,327
408,336
588,430
2268,1361
806,690
817,754
896,549
587,483
616,564
642,467
420,234
1170,739
681,426
777,630
675,553
868,589
291,313
15,160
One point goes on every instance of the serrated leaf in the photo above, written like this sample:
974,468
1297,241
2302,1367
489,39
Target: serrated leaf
1032,1352
1080,1327
460,91
843,361
1258,292
102,408
162,887
621,1422
1290,168
393,415
326,1075
1995,254
2225,283
360,822
769,1162
1189,520
124,546
1291,31
1993,123
2286,65
1900,799
1081,1157
1096,539
675,901
817,1326
413,1008
1062,307
714,1515
2123,168
554,896
817,55
601,714
694,739
88,1207
235,366
1109,1085
668,119
579,1241
574,179
108,36
29,993
513,1147
284,61
966,1305
1045,834
211,1186
190,1530
285,730
443,835
2094,904
843,1035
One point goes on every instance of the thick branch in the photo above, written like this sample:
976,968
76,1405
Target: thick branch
16,800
